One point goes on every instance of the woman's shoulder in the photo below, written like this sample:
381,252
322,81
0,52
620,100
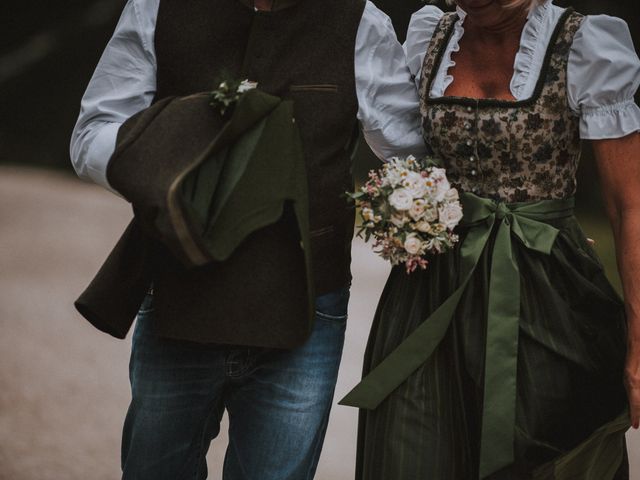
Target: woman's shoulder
421,28
604,32
603,45
603,75
425,20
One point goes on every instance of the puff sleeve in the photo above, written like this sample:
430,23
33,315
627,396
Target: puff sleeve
423,24
602,78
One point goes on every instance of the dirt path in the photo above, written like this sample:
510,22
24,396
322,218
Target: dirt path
64,387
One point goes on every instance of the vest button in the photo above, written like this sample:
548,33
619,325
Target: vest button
472,159
467,126
474,173
469,109
469,143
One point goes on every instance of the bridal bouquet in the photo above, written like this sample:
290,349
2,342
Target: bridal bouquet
410,210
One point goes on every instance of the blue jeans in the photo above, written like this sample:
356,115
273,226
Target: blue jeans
278,402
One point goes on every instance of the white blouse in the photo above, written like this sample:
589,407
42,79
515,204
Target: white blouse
603,72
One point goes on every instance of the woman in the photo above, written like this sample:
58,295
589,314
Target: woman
507,358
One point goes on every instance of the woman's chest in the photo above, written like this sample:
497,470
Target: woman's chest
482,72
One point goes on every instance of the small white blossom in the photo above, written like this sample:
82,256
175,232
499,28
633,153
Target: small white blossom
399,221
367,214
430,214
435,244
439,176
415,184
247,85
423,226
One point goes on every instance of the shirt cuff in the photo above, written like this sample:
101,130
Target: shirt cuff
611,121
99,154
386,146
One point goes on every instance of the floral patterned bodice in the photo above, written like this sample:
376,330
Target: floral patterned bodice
515,151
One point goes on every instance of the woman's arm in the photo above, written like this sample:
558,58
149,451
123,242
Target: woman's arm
619,166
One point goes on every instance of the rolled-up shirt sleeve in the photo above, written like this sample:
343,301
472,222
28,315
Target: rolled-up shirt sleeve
603,76
387,95
123,83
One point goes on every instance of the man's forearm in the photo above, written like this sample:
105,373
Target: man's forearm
91,149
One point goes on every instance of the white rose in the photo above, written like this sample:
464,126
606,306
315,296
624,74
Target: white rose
452,195
430,214
417,209
450,215
413,245
401,200
439,176
415,184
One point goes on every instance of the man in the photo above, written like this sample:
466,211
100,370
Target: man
340,62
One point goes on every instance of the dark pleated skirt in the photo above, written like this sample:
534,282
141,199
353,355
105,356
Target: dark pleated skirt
570,366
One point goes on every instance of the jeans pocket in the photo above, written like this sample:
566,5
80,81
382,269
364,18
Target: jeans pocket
146,306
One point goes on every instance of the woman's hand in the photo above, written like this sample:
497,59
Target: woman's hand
632,383
619,166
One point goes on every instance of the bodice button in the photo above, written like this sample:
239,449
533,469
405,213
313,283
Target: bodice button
474,173
469,109
469,143
467,126
472,159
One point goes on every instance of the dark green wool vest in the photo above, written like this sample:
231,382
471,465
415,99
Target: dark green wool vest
304,52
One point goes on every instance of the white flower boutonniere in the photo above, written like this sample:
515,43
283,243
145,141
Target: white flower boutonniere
229,92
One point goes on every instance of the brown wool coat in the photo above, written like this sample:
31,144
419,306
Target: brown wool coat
223,199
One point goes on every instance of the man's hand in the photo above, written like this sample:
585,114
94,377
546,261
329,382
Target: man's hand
632,382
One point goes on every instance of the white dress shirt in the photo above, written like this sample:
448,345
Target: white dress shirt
603,71
124,83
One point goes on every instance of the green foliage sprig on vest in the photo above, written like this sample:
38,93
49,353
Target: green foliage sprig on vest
228,92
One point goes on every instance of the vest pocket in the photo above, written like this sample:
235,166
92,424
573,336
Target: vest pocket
320,87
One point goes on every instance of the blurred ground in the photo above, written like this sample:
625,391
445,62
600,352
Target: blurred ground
64,388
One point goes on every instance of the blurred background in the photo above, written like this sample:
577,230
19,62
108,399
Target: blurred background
63,386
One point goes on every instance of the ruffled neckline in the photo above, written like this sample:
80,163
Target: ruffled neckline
527,63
